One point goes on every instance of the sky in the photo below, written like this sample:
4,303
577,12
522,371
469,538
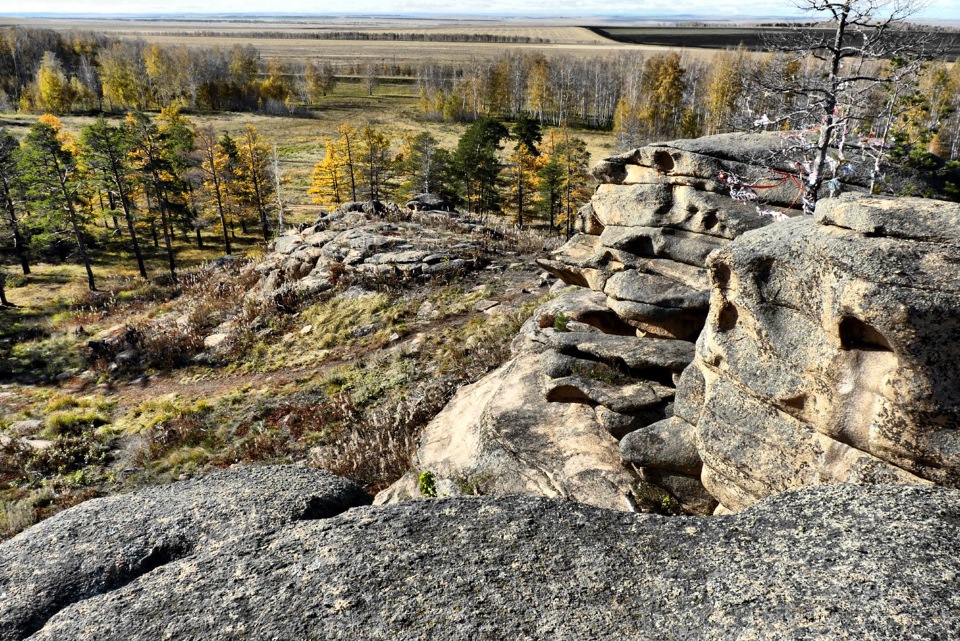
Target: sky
937,9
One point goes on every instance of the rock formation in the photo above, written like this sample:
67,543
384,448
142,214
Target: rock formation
822,361
101,546
829,354
600,362
262,554
357,240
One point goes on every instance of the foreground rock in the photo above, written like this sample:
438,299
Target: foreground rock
830,352
838,562
105,544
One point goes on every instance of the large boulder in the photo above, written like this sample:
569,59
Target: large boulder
830,351
502,436
105,544
838,562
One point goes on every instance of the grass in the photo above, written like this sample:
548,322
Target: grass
350,394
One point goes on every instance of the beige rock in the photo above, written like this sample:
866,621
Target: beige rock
829,353
501,436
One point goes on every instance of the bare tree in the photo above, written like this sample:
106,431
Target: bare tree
864,45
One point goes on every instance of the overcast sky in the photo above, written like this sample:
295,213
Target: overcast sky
937,9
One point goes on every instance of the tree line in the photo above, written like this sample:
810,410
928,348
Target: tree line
640,97
644,97
544,176
359,35
156,179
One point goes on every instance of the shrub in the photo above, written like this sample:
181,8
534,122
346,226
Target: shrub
427,484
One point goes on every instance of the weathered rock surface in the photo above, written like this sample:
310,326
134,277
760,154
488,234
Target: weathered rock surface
356,240
502,436
105,544
829,354
837,562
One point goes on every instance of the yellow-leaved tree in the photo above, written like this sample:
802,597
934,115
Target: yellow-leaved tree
329,182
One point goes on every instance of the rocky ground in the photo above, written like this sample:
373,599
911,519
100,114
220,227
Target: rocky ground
269,553
332,350
793,377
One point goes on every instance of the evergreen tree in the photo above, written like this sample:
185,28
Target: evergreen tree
105,150
477,164
148,155
10,188
49,169
424,166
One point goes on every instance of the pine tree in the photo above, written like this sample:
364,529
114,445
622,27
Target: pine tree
105,150
424,166
477,164
10,187
148,155
49,169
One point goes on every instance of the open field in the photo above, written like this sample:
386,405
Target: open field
715,37
563,39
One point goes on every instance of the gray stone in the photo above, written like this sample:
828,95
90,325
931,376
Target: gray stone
670,445
837,562
102,545
624,398
629,351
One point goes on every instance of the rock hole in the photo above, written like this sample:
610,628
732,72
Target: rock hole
323,507
764,271
796,402
663,161
710,220
721,275
727,318
858,335
654,374
640,246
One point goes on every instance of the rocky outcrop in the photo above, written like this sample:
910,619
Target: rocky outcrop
828,355
822,361
829,562
429,202
601,362
103,545
360,243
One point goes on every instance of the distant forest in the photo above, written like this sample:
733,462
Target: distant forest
638,95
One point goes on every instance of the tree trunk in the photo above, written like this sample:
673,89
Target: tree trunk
167,231
81,245
18,243
223,219
131,229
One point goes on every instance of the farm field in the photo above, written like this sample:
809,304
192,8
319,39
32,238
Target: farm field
299,40
716,37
